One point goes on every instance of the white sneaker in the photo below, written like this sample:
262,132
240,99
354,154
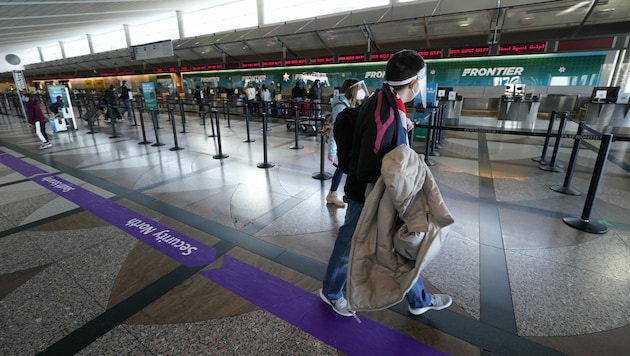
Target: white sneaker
340,306
333,198
438,302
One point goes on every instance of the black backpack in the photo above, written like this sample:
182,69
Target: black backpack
344,135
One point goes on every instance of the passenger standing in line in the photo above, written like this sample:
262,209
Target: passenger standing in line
297,93
348,98
265,96
250,94
35,116
198,95
381,126
112,104
125,97
316,97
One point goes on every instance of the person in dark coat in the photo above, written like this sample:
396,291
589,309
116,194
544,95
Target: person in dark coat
36,117
297,93
112,104
124,96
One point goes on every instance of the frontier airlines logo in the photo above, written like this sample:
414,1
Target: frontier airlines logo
492,72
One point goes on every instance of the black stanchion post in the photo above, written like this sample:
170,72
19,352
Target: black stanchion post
435,131
566,187
227,113
210,115
182,112
543,155
112,121
176,147
438,131
265,163
296,126
427,146
133,113
90,122
583,222
154,119
220,154
247,116
321,175
80,107
169,108
144,135
204,113
551,167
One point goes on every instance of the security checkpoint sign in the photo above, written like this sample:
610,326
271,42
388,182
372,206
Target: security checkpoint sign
150,99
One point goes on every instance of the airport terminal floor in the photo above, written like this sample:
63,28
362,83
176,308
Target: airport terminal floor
112,247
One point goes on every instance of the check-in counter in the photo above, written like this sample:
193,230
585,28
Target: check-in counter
515,108
603,114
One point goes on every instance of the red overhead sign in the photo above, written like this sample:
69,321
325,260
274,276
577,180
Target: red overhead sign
523,48
469,51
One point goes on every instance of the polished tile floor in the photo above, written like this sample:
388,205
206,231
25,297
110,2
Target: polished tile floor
113,247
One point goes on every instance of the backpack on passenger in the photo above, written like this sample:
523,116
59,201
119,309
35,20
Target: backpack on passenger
343,131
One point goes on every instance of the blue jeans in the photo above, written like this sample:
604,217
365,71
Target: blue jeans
336,179
417,297
337,271
127,109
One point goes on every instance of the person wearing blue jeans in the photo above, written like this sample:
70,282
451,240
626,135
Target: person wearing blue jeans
381,126
337,270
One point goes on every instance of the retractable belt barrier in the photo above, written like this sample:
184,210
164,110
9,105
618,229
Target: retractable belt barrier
583,222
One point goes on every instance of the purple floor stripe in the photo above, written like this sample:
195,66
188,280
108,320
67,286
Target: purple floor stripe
307,312
288,302
178,246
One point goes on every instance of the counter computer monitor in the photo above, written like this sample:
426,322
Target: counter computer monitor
442,92
605,94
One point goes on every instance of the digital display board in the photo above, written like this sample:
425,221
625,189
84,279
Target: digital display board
351,58
214,66
276,63
380,56
184,69
469,51
523,48
323,60
251,65
431,53
295,62
595,43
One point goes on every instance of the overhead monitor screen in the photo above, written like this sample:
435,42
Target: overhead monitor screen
600,94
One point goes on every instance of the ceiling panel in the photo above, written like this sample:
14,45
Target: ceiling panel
449,22
464,24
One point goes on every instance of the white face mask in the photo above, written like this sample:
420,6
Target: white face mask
413,89
360,94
